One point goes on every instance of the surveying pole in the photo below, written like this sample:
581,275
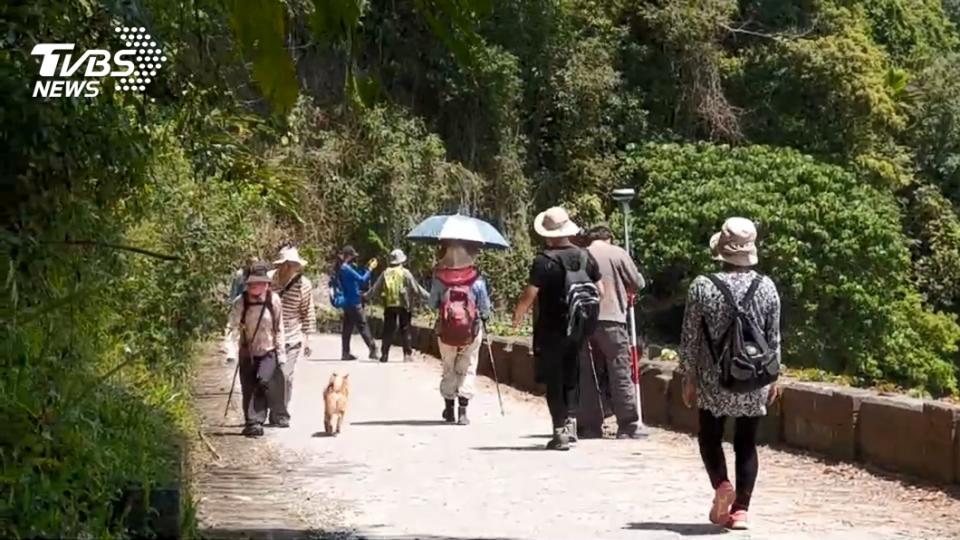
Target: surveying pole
624,196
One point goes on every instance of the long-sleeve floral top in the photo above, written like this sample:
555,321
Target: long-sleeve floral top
706,303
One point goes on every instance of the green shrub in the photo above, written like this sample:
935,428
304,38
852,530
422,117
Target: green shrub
832,244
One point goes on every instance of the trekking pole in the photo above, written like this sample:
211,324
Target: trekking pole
232,386
596,384
493,364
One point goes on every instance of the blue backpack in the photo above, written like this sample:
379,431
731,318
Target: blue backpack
337,299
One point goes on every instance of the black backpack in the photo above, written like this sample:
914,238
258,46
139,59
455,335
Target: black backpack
746,361
582,298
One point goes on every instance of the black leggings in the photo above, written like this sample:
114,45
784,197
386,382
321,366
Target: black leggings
744,445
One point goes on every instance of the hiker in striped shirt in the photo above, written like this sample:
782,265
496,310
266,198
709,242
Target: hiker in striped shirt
300,323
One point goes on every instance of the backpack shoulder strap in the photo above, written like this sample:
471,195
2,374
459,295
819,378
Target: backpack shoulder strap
246,305
293,281
727,294
748,297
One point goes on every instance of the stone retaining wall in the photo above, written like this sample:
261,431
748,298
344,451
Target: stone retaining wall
899,434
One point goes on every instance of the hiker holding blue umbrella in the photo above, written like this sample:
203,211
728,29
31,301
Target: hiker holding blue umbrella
460,294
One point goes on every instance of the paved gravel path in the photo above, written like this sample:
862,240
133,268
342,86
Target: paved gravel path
397,472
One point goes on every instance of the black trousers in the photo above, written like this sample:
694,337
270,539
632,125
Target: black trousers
354,317
394,317
557,365
745,447
256,375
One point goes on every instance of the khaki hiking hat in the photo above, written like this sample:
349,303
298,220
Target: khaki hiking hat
736,242
555,223
290,254
259,273
397,257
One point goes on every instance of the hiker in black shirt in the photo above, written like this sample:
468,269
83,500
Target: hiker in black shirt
555,352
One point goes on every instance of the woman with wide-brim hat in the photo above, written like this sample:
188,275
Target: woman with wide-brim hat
456,272
300,324
255,337
707,318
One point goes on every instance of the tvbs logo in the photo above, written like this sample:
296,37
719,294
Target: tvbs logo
65,74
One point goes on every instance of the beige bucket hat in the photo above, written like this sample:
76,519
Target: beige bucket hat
290,254
555,223
736,243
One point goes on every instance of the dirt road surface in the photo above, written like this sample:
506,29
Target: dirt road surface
398,472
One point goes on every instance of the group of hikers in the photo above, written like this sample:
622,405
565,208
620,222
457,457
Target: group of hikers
582,285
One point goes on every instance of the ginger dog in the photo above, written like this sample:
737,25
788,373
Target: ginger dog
335,399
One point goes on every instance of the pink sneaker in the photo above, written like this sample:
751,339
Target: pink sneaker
722,499
738,521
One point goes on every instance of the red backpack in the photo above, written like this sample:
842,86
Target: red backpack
458,307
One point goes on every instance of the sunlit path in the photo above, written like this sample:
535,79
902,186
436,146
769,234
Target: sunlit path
398,472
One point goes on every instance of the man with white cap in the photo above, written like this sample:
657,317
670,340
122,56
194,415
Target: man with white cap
556,349
399,291
710,341
300,323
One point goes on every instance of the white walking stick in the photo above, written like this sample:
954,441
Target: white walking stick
624,196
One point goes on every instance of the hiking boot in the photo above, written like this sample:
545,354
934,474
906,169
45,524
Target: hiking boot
462,413
374,355
348,357
408,358
571,429
448,411
560,440
280,423
383,359
252,430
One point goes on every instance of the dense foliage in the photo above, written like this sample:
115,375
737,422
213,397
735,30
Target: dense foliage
835,124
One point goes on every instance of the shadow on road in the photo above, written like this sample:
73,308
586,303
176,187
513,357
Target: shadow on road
292,534
508,448
400,423
683,529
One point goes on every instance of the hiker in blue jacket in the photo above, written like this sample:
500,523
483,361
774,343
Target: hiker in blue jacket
348,281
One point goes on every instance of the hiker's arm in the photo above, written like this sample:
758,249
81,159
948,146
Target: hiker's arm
231,341
414,285
352,272
632,277
593,272
308,310
436,291
374,291
523,305
483,299
691,336
772,324
278,338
